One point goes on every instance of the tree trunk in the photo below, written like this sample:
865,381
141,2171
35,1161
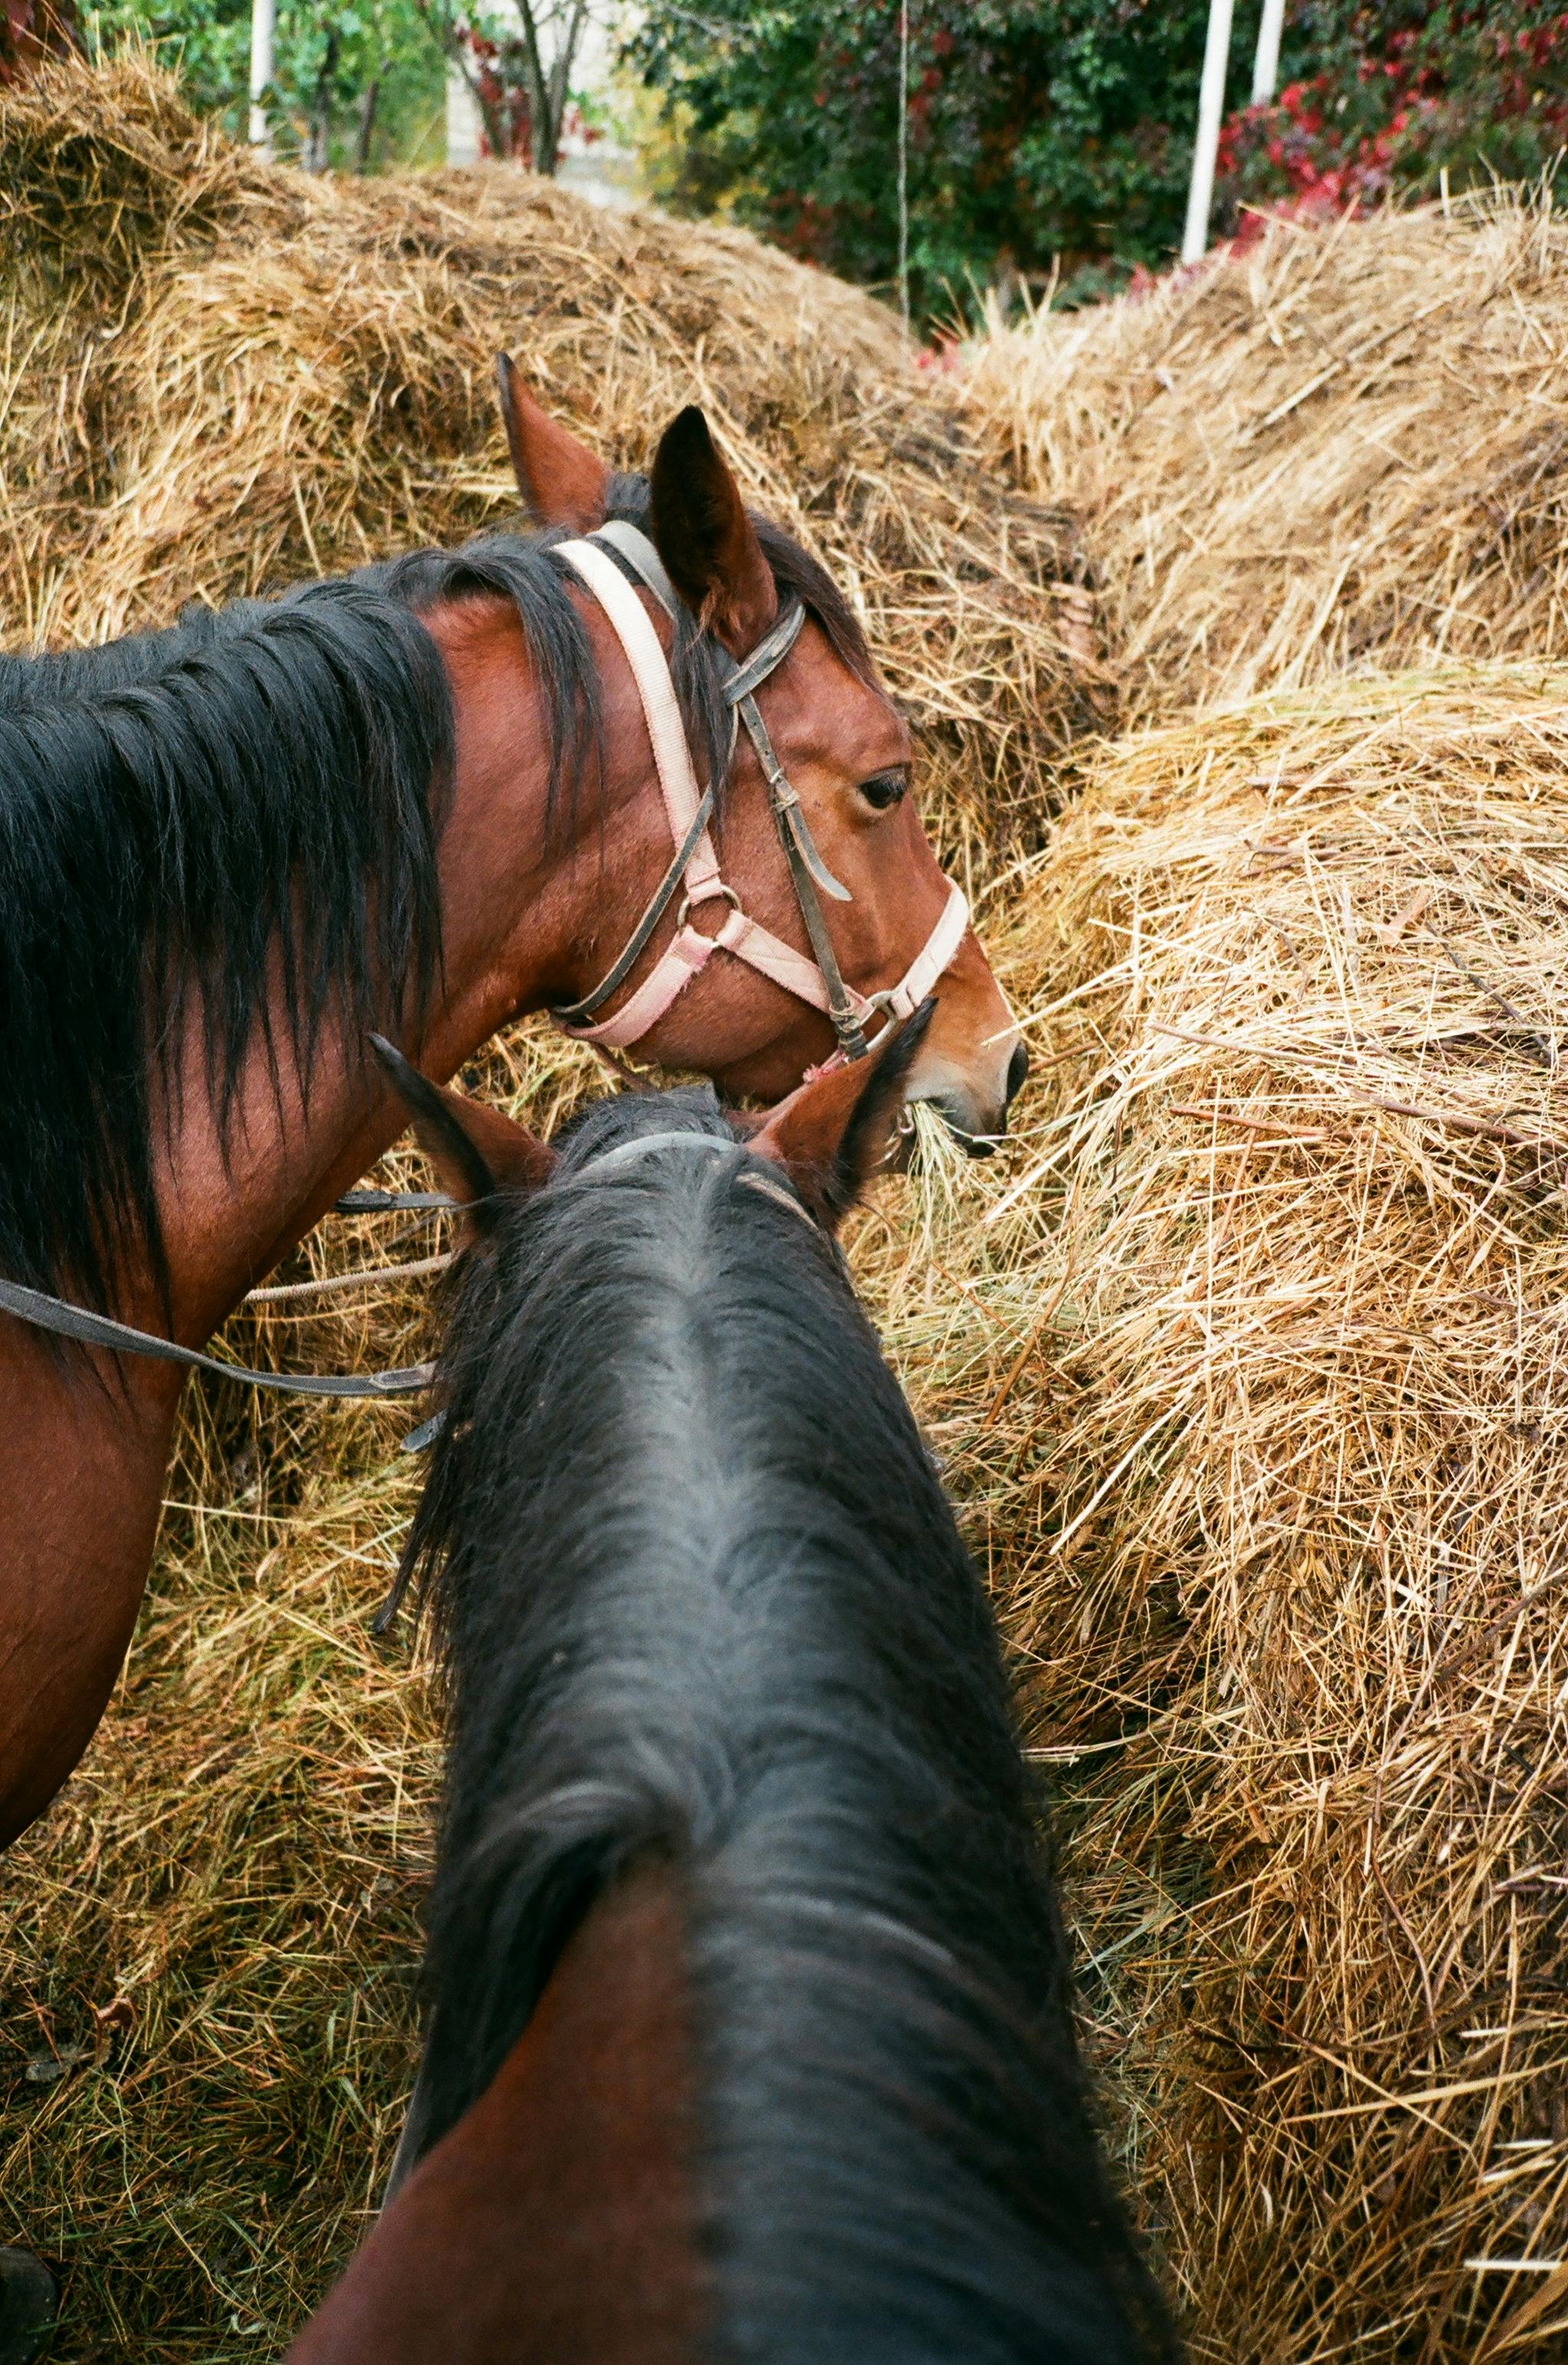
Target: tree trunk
317,145
366,124
550,92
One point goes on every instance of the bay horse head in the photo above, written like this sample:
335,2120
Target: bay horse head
810,776
433,796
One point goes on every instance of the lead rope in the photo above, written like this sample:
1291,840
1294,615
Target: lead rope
42,1312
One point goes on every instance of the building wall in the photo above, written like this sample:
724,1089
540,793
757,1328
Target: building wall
462,122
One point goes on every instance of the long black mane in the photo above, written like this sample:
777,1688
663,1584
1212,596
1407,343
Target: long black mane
261,784
700,1601
176,813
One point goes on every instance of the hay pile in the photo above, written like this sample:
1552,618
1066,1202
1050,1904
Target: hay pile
1276,1503
1340,446
218,377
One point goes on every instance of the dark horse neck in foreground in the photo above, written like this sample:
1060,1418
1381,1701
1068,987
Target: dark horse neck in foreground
749,2031
423,799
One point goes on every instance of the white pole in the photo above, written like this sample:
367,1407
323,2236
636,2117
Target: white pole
263,23
1211,106
903,160
1266,65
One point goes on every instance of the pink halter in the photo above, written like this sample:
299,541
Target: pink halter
694,873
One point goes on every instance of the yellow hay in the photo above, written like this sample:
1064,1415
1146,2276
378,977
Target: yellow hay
1343,443
1275,1500
218,378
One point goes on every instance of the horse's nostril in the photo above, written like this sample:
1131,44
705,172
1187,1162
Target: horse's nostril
1018,1069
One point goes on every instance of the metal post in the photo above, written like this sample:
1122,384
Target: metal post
1211,106
264,24
1266,65
903,160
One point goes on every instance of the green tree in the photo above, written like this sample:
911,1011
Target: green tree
1041,133
1056,136
355,81
518,71
1393,96
361,81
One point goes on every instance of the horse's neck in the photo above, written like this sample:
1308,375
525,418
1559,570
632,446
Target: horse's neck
555,2221
232,1207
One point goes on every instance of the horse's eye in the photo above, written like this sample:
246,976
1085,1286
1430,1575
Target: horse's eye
885,788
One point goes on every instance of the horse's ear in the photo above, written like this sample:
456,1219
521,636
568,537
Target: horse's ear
836,1132
559,478
478,1153
704,536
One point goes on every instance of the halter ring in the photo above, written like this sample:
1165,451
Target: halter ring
718,888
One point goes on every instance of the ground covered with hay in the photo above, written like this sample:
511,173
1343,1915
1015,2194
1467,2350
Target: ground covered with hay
1246,1364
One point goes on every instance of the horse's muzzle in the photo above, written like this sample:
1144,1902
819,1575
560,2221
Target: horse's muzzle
975,1119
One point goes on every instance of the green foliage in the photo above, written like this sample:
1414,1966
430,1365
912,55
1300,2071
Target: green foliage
1042,133
328,54
1376,98
363,82
1055,136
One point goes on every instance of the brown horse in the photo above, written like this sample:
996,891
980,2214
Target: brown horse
424,798
747,2029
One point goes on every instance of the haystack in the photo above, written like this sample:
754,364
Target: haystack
1343,445
1274,1487
219,377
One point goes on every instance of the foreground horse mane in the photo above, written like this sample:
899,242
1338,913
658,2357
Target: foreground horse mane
701,1603
260,784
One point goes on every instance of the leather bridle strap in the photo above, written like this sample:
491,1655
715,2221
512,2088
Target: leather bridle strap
807,872
42,1312
571,1015
689,950
817,980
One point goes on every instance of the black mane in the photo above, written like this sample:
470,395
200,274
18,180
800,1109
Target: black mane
175,812
63,674
179,808
701,1600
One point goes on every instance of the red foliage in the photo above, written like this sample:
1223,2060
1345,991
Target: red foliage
1444,90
